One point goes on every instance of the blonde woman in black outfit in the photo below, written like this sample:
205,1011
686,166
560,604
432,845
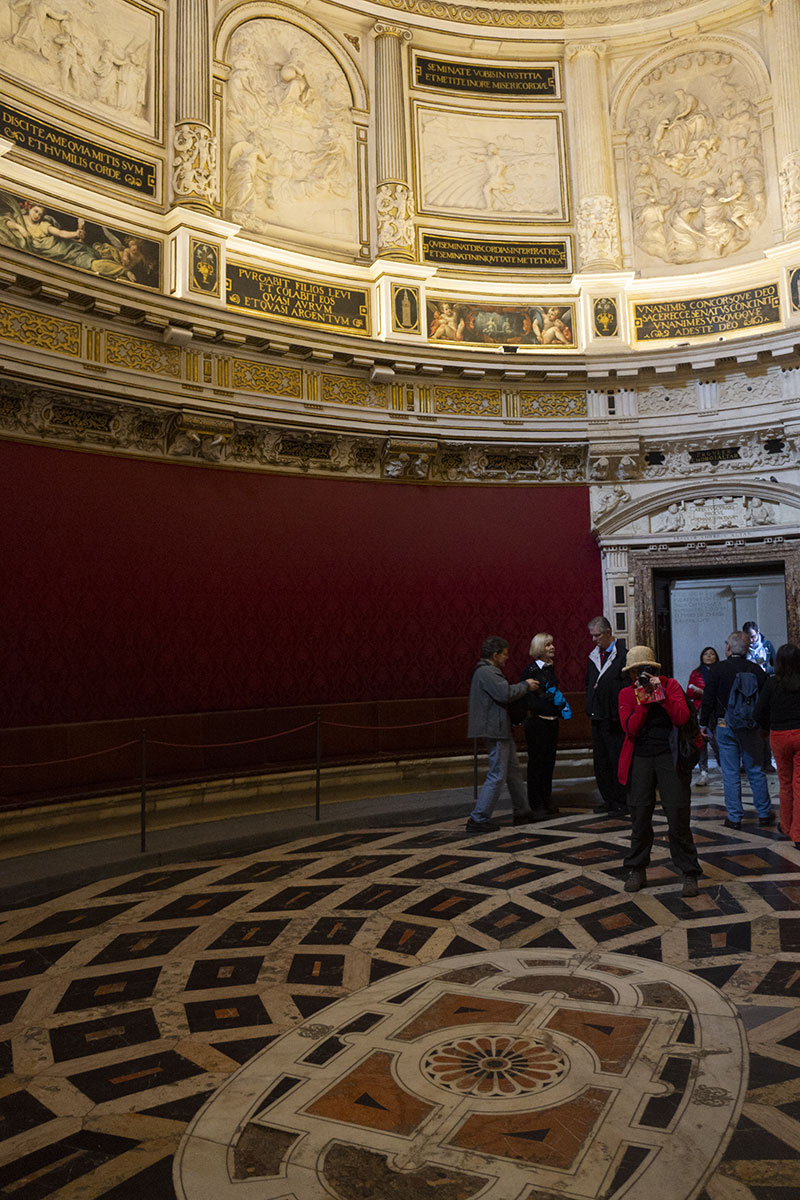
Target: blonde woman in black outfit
778,713
545,707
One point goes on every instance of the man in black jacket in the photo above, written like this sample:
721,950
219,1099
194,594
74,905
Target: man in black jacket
736,743
605,679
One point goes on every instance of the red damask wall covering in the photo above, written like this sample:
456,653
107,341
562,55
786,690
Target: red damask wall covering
136,588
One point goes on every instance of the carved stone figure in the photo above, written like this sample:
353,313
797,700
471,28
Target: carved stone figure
696,159
289,149
598,230
194,166
102,56
395,218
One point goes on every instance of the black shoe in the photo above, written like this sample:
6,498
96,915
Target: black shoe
729,824
797,845
690,887
482,826
553,810
620,813
769,819
529,818
636,880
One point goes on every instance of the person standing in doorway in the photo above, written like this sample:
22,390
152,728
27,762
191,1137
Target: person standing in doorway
697,685
490,694
730,698
605,679
762,652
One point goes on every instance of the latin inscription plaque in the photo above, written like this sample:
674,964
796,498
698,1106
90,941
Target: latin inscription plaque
484,79
707,315
542,255
300,301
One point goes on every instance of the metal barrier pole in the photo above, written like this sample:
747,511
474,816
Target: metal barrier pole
475,769
143,804
318,764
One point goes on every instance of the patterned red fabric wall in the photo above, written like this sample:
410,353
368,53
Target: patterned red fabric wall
136,588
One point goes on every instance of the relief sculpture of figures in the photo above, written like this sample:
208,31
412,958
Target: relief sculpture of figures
481,165
98,53
696,160
289,157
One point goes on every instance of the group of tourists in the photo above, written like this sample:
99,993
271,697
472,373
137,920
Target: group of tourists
648,735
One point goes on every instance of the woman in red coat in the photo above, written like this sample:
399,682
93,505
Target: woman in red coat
651,710
697,685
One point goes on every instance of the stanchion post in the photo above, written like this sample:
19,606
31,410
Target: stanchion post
475,769
143,802
318,738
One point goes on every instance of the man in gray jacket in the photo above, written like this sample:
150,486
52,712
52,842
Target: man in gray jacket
489,696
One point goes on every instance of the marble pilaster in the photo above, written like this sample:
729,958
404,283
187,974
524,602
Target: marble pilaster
394,196
596,213
194,161
785,58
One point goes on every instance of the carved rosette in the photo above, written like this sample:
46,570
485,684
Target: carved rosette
789,177
194,166
598,232
395,211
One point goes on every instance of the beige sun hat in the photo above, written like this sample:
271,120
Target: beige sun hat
641,656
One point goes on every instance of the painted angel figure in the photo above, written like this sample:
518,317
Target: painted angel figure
550,327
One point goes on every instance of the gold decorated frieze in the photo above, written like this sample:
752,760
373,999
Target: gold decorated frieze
139,354
486,18
468,402
40,330
552,404
81,420
343,389
706,315
299,301
249,376
66,149
545,323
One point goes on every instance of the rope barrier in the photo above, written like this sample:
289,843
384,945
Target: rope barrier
381,728
75,758
268,737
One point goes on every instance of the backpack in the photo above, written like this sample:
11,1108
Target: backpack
690,740
740,713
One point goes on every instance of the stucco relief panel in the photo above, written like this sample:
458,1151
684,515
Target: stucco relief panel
473,164
696,160
289,156
97,55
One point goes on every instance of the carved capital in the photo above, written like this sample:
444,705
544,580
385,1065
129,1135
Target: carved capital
576,50
384,29
194,166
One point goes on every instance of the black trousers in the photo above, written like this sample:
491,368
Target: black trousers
607,739
542,739
649,774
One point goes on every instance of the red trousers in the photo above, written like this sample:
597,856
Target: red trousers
785,745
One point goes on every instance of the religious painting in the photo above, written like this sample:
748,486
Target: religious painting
405,308
543,325
605,316
37,228
101,56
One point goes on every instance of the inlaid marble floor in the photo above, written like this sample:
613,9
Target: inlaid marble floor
408,1013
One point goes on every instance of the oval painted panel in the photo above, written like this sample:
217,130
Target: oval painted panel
507,1075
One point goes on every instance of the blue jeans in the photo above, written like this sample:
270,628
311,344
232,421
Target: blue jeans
503,768
748,743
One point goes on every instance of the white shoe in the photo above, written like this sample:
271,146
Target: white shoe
703,780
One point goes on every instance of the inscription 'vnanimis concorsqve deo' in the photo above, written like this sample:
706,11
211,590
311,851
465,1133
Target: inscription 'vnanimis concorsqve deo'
301,301
707,314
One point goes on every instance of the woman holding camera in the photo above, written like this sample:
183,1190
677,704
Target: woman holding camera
651,710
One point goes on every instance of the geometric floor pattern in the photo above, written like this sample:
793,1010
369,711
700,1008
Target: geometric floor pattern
411,1012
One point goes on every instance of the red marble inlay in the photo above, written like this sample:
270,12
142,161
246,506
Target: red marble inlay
549,1137
450,1009
370,1096
613,1037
